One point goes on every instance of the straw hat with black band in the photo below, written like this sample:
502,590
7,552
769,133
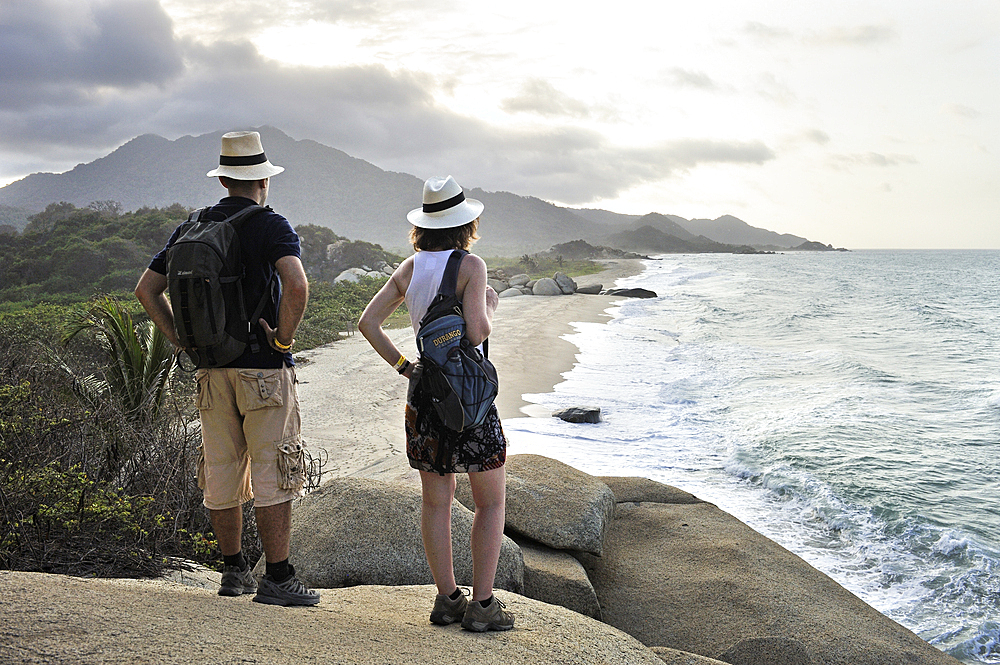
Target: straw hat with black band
242,158
445,206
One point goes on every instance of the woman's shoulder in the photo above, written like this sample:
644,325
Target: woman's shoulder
472,263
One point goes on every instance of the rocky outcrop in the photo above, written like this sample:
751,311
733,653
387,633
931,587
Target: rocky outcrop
676,573
558,284
553,503
56,619
591,290
689,576
358,531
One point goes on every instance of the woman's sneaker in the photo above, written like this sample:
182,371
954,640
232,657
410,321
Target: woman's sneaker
492,617
289,592
237,581
447,611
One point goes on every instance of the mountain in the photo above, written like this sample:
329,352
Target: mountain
734,231
320,185
668,224
354,198
727,229
648,239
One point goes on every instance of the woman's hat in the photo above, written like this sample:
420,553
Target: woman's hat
445,206
242,158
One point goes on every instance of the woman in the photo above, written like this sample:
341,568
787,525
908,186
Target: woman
448,221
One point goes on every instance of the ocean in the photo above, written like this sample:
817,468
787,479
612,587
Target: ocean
844,404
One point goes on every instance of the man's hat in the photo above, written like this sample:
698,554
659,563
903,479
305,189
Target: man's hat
242,158
445,206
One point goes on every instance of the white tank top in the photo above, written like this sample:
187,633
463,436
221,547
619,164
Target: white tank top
428,269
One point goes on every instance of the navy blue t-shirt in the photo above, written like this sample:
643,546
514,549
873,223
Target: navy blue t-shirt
265,237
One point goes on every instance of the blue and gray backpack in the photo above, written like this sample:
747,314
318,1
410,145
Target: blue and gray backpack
459,380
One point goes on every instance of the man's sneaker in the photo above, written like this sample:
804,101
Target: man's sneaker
289,592
447,611
491,617
237,581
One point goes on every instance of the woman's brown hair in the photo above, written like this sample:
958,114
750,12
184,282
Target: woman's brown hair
457,237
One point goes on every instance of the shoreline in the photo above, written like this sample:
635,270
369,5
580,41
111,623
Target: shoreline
352,404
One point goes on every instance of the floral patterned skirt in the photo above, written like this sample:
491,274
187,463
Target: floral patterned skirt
430,446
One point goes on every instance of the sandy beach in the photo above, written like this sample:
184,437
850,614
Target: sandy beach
352,403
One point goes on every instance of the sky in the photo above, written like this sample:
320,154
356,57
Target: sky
863,124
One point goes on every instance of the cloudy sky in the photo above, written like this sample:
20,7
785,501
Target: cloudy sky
865,124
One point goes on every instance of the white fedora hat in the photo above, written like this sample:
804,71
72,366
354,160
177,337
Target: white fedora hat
242,158
445,206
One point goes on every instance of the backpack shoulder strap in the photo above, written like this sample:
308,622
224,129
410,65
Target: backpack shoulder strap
243,214
449,281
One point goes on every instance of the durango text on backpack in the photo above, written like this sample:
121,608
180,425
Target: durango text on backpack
205,274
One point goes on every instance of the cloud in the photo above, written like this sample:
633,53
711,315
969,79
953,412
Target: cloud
687,78
960,110
391,118
862,35
871,159
578,167
53,50
541,97
817,136
766,32
769,87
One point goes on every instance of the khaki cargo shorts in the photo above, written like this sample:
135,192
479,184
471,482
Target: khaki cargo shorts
251,437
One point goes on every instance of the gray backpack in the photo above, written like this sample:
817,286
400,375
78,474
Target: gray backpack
205,273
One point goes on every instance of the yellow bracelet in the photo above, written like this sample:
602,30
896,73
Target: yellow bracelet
399,363
281,347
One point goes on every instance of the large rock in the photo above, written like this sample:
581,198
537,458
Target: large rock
591,290
352,275
546,286
767,651
579,414
56,619
498,285
512,292
631,293
360,531
558,578
691,577
519,280
638,489
553,503
565,282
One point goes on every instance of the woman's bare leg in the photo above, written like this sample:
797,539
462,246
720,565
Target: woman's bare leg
435,527
488,491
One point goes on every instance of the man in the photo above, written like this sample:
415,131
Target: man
252,448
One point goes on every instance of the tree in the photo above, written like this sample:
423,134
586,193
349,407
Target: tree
107,208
